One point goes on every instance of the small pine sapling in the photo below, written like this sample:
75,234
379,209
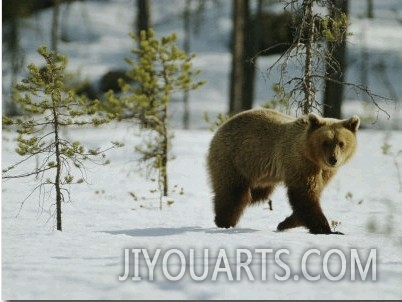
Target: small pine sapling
49,107
335,224
158,70
219,121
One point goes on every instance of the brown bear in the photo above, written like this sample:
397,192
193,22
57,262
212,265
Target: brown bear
257,149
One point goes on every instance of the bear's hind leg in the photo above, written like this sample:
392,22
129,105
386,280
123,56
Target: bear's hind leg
230,205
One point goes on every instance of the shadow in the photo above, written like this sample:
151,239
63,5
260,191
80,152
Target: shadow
230,231
165,231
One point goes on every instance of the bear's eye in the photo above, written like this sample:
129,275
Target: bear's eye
341,144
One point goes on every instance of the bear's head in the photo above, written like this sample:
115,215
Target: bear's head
331,142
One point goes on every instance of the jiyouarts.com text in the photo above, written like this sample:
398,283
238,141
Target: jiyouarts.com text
258,264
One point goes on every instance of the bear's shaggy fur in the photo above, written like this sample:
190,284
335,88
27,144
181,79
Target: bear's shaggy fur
257,149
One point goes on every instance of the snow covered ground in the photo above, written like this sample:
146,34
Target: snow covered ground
86,259
103,221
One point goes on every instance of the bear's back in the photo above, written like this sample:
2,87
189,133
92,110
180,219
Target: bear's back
261,125
256,142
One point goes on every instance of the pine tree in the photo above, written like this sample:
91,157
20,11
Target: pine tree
158,70
49,106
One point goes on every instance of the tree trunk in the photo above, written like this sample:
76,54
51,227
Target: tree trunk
252,44
164,132
16,62
308,85
58,166
370,10
236,102
55,25
165,149
143,15
333,94
186,46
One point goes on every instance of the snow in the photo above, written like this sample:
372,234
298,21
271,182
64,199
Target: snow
85,260
103,220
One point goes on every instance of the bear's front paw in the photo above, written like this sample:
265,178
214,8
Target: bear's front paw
290,222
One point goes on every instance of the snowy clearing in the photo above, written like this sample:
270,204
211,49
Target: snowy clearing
86,259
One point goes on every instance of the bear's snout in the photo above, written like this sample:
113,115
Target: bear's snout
332,160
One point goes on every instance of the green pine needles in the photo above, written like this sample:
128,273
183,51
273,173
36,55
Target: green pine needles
49,107
158,70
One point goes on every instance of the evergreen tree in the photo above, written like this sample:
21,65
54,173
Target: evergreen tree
49,106
158,70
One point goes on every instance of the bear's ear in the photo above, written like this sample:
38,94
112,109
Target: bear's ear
315,121
353,123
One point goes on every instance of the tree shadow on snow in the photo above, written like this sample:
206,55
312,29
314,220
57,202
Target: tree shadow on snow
166,231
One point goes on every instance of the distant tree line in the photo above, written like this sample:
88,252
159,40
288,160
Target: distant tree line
296,32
